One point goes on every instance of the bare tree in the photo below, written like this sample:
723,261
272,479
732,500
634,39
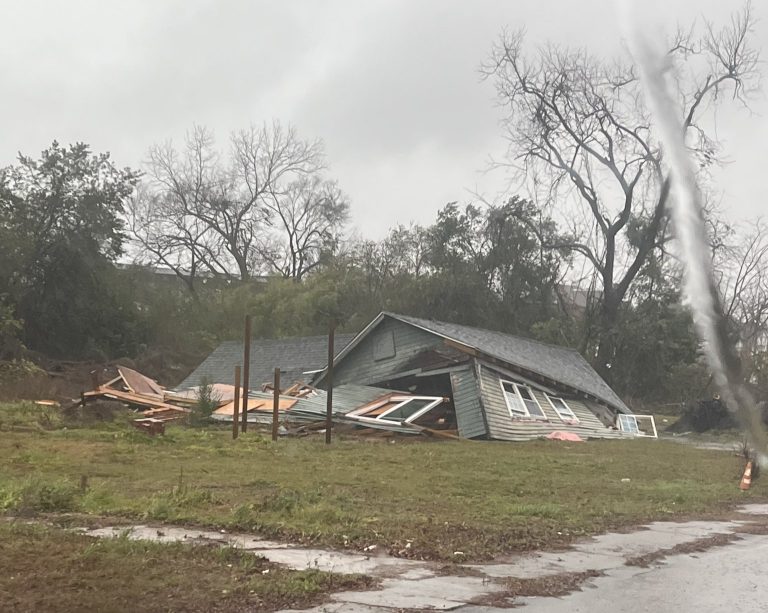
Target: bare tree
218,206
306,222
579,126
742,264
163,234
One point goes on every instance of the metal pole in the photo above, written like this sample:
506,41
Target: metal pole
236,414
275,403
246,371
329,396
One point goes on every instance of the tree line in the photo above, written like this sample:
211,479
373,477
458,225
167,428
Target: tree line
580,255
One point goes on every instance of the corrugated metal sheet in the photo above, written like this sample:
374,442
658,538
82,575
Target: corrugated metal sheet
466,400
345,399
502,426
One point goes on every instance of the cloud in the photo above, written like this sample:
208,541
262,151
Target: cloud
391,86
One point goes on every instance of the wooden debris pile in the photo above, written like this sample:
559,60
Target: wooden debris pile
155,405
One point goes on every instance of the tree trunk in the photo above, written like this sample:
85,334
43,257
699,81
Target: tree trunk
609,316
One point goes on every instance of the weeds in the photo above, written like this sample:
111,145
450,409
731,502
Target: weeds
28,416
36,495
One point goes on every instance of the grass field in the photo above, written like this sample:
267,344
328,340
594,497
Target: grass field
47,569
416,498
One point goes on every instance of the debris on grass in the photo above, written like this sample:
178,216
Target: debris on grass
695,546
550,586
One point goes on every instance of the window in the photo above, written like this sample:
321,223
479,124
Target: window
407,410
628,423
396,409
563,411
520,401
639,425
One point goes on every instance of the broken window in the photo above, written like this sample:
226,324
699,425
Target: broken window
407,409
628,423
562,409
639,425
397,409
520,401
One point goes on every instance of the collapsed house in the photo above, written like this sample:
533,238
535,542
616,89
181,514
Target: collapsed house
498,386
409,375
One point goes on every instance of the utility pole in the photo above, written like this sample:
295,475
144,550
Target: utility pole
246,370
329,396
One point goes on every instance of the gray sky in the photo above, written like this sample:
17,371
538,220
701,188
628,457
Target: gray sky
391,86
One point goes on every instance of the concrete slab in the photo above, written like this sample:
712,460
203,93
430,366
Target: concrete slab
341,607
754,509
474,608
606,551
723,579
659,535
339,562
441,593
537,565
297,558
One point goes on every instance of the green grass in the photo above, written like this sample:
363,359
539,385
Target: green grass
480,498
47,569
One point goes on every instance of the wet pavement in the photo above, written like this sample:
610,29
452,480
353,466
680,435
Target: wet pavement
724,578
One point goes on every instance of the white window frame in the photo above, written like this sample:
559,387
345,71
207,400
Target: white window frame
400,400
569,417
637,431
518,414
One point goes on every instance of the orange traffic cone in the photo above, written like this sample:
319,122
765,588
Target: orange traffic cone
746,478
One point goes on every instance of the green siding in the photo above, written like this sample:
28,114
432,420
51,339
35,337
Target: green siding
502,426
359,365
466,400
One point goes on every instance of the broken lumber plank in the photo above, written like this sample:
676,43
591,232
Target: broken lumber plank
149,425
138,383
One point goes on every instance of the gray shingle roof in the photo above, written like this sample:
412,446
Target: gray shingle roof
294,356
557,363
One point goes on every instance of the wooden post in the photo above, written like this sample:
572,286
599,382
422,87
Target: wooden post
275,403
246,370
236,413
329,396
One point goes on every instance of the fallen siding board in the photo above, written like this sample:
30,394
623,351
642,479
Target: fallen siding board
466,401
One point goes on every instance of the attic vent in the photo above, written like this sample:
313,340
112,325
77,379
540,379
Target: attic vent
384,346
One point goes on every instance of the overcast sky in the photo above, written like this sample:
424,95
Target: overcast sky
391,86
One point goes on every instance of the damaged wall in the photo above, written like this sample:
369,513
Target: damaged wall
466,400
502,426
